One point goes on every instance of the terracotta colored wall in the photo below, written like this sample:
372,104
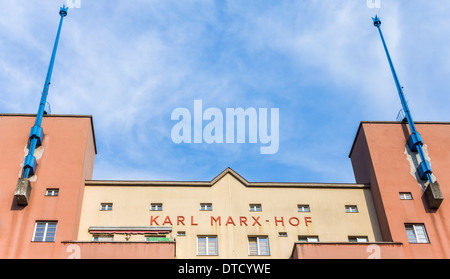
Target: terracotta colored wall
380,155
67,160
118,250
347,251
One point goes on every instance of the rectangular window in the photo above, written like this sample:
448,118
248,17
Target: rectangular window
206,206
416,233
351,209
52,192
303,208
181,233
258,246
406,196
106,206
156,207
308,238
207,246
282,234
103,238
255,207
358,239
44,232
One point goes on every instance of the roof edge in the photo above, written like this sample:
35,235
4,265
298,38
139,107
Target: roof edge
165,183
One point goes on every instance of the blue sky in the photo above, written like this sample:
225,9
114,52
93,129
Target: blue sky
321,63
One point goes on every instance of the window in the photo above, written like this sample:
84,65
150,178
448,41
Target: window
358,239
351,209
258,246
206,206
282,234
106,206
156,207
405,196
103,238
52,192
44,232
255,207
303,208
308,238
181,233
207,246
416,233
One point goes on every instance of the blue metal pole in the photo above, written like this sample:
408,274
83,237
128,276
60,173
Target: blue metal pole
415,141
37,134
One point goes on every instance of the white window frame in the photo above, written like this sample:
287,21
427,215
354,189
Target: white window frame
106,206
405,196
303,208
156,206
308,238
52,192
258,245
351,209
46,231
417,230
255,207
103,237
358,239
208,239
206,207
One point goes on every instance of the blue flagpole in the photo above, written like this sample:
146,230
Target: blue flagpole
37,134
415,141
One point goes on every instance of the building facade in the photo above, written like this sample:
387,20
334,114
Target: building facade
387,213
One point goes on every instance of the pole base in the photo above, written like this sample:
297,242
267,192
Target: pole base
433,195
23,190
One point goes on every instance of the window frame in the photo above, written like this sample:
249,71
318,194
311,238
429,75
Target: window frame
413,226
108,206
358,238
156,206
207,206
405,195
255,207
349,208
207,242
46,232
258,245
307,238
52,191
303,207
104,236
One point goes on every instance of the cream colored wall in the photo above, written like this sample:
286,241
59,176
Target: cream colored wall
230,197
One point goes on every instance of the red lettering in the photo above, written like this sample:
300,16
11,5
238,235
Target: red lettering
277,221
308,220
256,220
243,220
180,220
230,221
192,221
167,221
294,218
153,219
216,220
